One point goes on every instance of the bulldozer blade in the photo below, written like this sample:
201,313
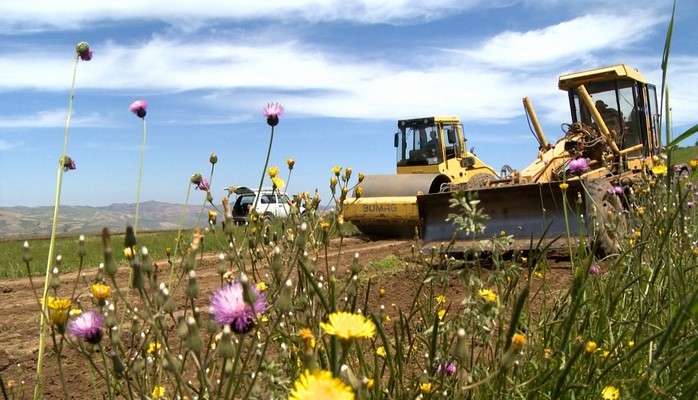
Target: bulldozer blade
531,213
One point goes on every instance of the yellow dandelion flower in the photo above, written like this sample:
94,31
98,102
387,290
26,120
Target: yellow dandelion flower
128,253
518,341
441,314
324,225
640,210
320,385
153,347
273,171
564,186
524,260
348,326
370,384
74,312
631,344
337,169
610,393
637,234
100,291
693,163
212,217
488,295
606,353
590,347
262,286
278,182
58,310
440,299
380,352
307,337
387,318
425,387
158,392
381,292
659,170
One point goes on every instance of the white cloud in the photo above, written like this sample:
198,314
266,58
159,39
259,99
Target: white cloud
7,145
52,119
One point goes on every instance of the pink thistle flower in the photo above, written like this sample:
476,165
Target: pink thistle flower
228,307
449,369
203,184
579,165
84,51
68,164
594,269
273,111
87,326
138,107
615,190
690,204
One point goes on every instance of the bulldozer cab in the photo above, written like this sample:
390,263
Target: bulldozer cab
626,103
428,143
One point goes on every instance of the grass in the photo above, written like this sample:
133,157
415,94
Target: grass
683,155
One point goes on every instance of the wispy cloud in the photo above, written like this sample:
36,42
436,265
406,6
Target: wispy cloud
52,119
7,145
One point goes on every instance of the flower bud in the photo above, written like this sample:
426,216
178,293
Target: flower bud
225,344
26,252
213,158
193,341
192,290
284,303
130,237
82,250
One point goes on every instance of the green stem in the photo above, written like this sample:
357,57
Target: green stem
179,232
264,171
52,244
140,175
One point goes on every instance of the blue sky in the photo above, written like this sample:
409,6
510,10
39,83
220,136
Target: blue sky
345,71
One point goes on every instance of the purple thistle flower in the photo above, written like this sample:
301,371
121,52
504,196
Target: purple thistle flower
615,190
84,51
203,184
68,164
273,111
449,369
594,269
87,326
138,107
86,56
690,204
579,165
228,307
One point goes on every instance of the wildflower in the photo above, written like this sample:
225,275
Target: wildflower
273,171
594,269
579,165
449,369
615,190
278,183
74,312
307,337
590,347
154,347
361,177
83,51
273,111
564,186
659,170
138,107
100,291
380,352
441,314
348,326
158,392
488,295
631,344
58,310
440,299
290,162
425,387
196,179
518,341
370,383
212,217
381,292
610,393
203,184
262,286
690,204
320,384
228,307
336,170
640,210
87,326
128,253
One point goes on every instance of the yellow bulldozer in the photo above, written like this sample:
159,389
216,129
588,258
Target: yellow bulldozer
431,157
612,139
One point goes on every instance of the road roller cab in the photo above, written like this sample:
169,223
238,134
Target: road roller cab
431,155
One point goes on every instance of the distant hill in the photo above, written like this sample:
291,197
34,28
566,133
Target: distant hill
153,216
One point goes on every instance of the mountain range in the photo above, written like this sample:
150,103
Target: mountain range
26,222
